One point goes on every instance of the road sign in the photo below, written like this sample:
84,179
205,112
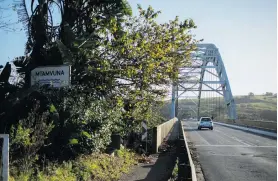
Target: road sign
144,130
56,76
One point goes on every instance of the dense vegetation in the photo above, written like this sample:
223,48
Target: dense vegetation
101,167
120,64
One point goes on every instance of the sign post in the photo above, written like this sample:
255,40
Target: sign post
145,133
5,157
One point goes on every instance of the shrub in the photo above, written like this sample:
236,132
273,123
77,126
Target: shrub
101,167
26,139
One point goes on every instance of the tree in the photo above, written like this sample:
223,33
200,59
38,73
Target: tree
5,22
152,54
42,48
79,22
251,94
269,94
120,65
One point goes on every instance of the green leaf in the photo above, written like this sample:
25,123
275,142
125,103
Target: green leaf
52,108
73,141
86,134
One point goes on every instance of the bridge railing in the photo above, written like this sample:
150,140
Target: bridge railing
160,132
186,167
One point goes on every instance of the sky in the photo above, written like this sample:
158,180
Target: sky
243,30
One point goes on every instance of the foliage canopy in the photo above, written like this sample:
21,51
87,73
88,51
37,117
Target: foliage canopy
121,65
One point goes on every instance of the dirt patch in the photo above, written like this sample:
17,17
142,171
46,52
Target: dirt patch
157,166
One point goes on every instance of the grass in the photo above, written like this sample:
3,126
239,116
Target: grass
175,171
262,106
100,167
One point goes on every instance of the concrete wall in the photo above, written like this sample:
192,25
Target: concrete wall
160,132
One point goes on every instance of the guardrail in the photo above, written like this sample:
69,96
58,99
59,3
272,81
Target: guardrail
160,132
186,167
5,157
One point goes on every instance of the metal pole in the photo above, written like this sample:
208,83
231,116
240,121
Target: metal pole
147,143
177,101
173,106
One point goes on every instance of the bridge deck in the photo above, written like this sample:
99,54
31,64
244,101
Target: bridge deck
229,154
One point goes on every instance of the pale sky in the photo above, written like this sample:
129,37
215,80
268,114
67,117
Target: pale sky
243,30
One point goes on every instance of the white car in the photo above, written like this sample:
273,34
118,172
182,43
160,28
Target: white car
205,122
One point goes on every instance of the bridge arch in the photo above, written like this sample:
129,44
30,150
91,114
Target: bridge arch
205,76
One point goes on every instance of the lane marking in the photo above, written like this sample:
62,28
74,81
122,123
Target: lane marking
198,134
225,155
235,138
253,137
243,146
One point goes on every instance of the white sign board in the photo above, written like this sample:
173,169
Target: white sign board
56,76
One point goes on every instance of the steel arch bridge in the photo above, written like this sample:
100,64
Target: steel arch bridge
203,84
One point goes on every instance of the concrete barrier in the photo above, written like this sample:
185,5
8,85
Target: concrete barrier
263,125
251,130
186,167
160,132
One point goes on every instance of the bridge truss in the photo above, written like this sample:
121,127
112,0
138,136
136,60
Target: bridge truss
204,86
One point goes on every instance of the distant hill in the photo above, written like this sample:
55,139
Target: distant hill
257,107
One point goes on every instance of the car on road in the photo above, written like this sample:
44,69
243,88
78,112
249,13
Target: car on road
205,122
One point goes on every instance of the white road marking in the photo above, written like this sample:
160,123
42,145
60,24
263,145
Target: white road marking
252,137
225,155
199,135
243,146
235,138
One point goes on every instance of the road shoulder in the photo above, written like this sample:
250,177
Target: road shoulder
195,158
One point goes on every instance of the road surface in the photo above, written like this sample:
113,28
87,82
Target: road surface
226,154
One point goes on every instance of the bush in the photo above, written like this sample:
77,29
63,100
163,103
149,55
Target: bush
26,139
101,167
93,128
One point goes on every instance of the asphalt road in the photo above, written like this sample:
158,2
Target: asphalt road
226,154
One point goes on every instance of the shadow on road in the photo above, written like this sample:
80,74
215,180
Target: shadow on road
190,129
163,167
161,164
195,129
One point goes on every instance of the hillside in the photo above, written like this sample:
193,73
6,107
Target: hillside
258,107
